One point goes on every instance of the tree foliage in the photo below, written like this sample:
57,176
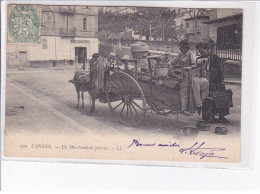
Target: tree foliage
149,22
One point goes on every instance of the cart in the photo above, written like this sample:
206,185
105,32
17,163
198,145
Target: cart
130,94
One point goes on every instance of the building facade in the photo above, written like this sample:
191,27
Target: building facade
68,36
226,26
189,22
220,25
196,30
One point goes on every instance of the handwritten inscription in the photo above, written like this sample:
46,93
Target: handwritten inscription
197,149
137,143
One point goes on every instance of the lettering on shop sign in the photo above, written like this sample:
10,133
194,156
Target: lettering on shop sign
80,41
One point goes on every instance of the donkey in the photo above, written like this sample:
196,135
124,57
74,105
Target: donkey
96,69
80,89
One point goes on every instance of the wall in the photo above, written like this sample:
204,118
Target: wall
205,32
13,55
52,20
65,49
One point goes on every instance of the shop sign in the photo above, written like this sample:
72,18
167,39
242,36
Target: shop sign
79,41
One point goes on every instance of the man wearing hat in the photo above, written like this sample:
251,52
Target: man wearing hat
200,86
186,58
97,75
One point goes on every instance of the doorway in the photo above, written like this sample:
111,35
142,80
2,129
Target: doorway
80,54
23,58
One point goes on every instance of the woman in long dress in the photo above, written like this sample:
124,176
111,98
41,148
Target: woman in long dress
216,84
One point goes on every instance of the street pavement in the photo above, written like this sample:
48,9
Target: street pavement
49,106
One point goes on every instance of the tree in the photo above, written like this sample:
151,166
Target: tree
153,21
166,22
149,22
111,23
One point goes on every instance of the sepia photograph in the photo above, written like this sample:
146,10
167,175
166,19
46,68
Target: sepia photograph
123,83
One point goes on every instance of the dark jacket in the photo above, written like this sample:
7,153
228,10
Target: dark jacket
216,83
216,75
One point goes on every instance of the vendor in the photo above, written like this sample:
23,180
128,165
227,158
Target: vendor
93,64
200,86
186,59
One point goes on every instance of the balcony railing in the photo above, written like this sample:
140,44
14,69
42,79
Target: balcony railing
67,9
68,32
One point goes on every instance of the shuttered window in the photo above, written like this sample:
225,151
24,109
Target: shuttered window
84,23
87,24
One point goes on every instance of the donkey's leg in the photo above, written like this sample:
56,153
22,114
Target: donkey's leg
82,97
78,96
93,100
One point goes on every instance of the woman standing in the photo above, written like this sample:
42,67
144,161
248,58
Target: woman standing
218,105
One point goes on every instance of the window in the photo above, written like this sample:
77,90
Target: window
44,44
187,25
84,23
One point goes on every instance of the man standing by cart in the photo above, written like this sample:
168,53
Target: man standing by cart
97,74
186,60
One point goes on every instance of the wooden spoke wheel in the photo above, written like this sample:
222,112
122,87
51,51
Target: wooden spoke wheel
125,99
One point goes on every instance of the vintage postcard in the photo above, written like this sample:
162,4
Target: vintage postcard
123,83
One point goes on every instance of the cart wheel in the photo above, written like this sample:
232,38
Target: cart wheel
125,99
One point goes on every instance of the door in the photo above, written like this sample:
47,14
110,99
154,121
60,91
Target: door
23,58
81,54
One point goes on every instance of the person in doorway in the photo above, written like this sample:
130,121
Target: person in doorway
216,83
